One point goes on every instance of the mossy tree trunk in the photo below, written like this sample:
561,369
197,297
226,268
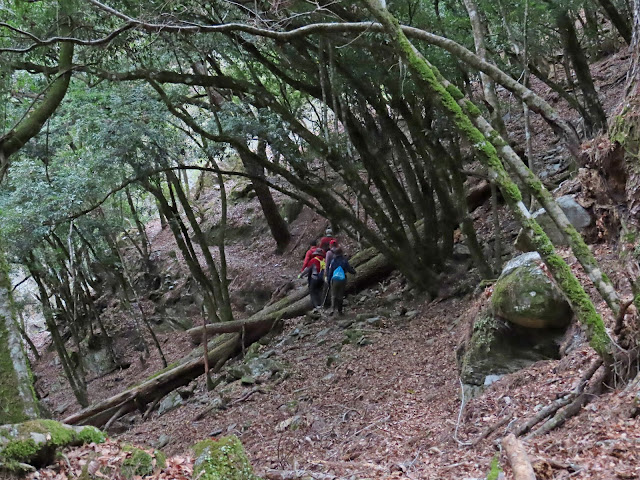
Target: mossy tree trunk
479,29
625,129
487,154
17,397
32,123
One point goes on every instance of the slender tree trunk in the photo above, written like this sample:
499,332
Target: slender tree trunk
488,85
142,232
277,225
76,382
597,120
617,19
220,291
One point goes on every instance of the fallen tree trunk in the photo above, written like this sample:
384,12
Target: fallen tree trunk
520,464
137,397
371,267
297,302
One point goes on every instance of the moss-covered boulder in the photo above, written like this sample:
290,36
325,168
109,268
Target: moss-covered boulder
525,295
35,442
139,462
497,347
222,459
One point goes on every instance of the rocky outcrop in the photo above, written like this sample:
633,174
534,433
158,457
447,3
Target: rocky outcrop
525,295
576,214
497,347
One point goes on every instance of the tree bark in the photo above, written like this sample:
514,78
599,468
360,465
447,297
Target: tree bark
17,398
597,120
520,464
618,21
488,84
277,225
29,127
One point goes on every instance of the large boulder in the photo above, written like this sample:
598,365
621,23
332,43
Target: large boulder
498,347
575,213
36,442
525,295
97,355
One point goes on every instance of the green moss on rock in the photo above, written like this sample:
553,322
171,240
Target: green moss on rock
526,296
223,459
139,463
497,347
91,435
36,442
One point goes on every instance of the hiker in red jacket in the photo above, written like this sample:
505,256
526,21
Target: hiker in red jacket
325,242
309,255
315,276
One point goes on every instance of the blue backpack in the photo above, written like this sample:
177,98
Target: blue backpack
338,274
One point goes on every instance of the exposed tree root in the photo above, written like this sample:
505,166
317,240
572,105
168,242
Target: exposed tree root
596,386
561,402
492,428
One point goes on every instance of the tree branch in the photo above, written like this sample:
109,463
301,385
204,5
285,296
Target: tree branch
52,40
29,127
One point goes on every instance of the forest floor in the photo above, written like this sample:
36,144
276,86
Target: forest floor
386,405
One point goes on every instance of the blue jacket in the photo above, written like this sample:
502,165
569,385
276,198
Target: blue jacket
340,261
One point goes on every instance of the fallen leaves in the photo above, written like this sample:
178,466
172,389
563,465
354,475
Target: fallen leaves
105,460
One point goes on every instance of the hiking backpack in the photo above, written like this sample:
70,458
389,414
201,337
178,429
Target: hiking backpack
338,274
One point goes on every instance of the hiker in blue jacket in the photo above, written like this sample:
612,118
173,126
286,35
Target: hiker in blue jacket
337,276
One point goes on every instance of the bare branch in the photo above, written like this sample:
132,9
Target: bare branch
53,40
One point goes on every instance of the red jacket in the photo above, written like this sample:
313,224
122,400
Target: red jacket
325,243
314,267
308,256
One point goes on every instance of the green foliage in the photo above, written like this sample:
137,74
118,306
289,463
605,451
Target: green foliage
91,435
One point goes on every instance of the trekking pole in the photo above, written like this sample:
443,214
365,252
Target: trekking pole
326,294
